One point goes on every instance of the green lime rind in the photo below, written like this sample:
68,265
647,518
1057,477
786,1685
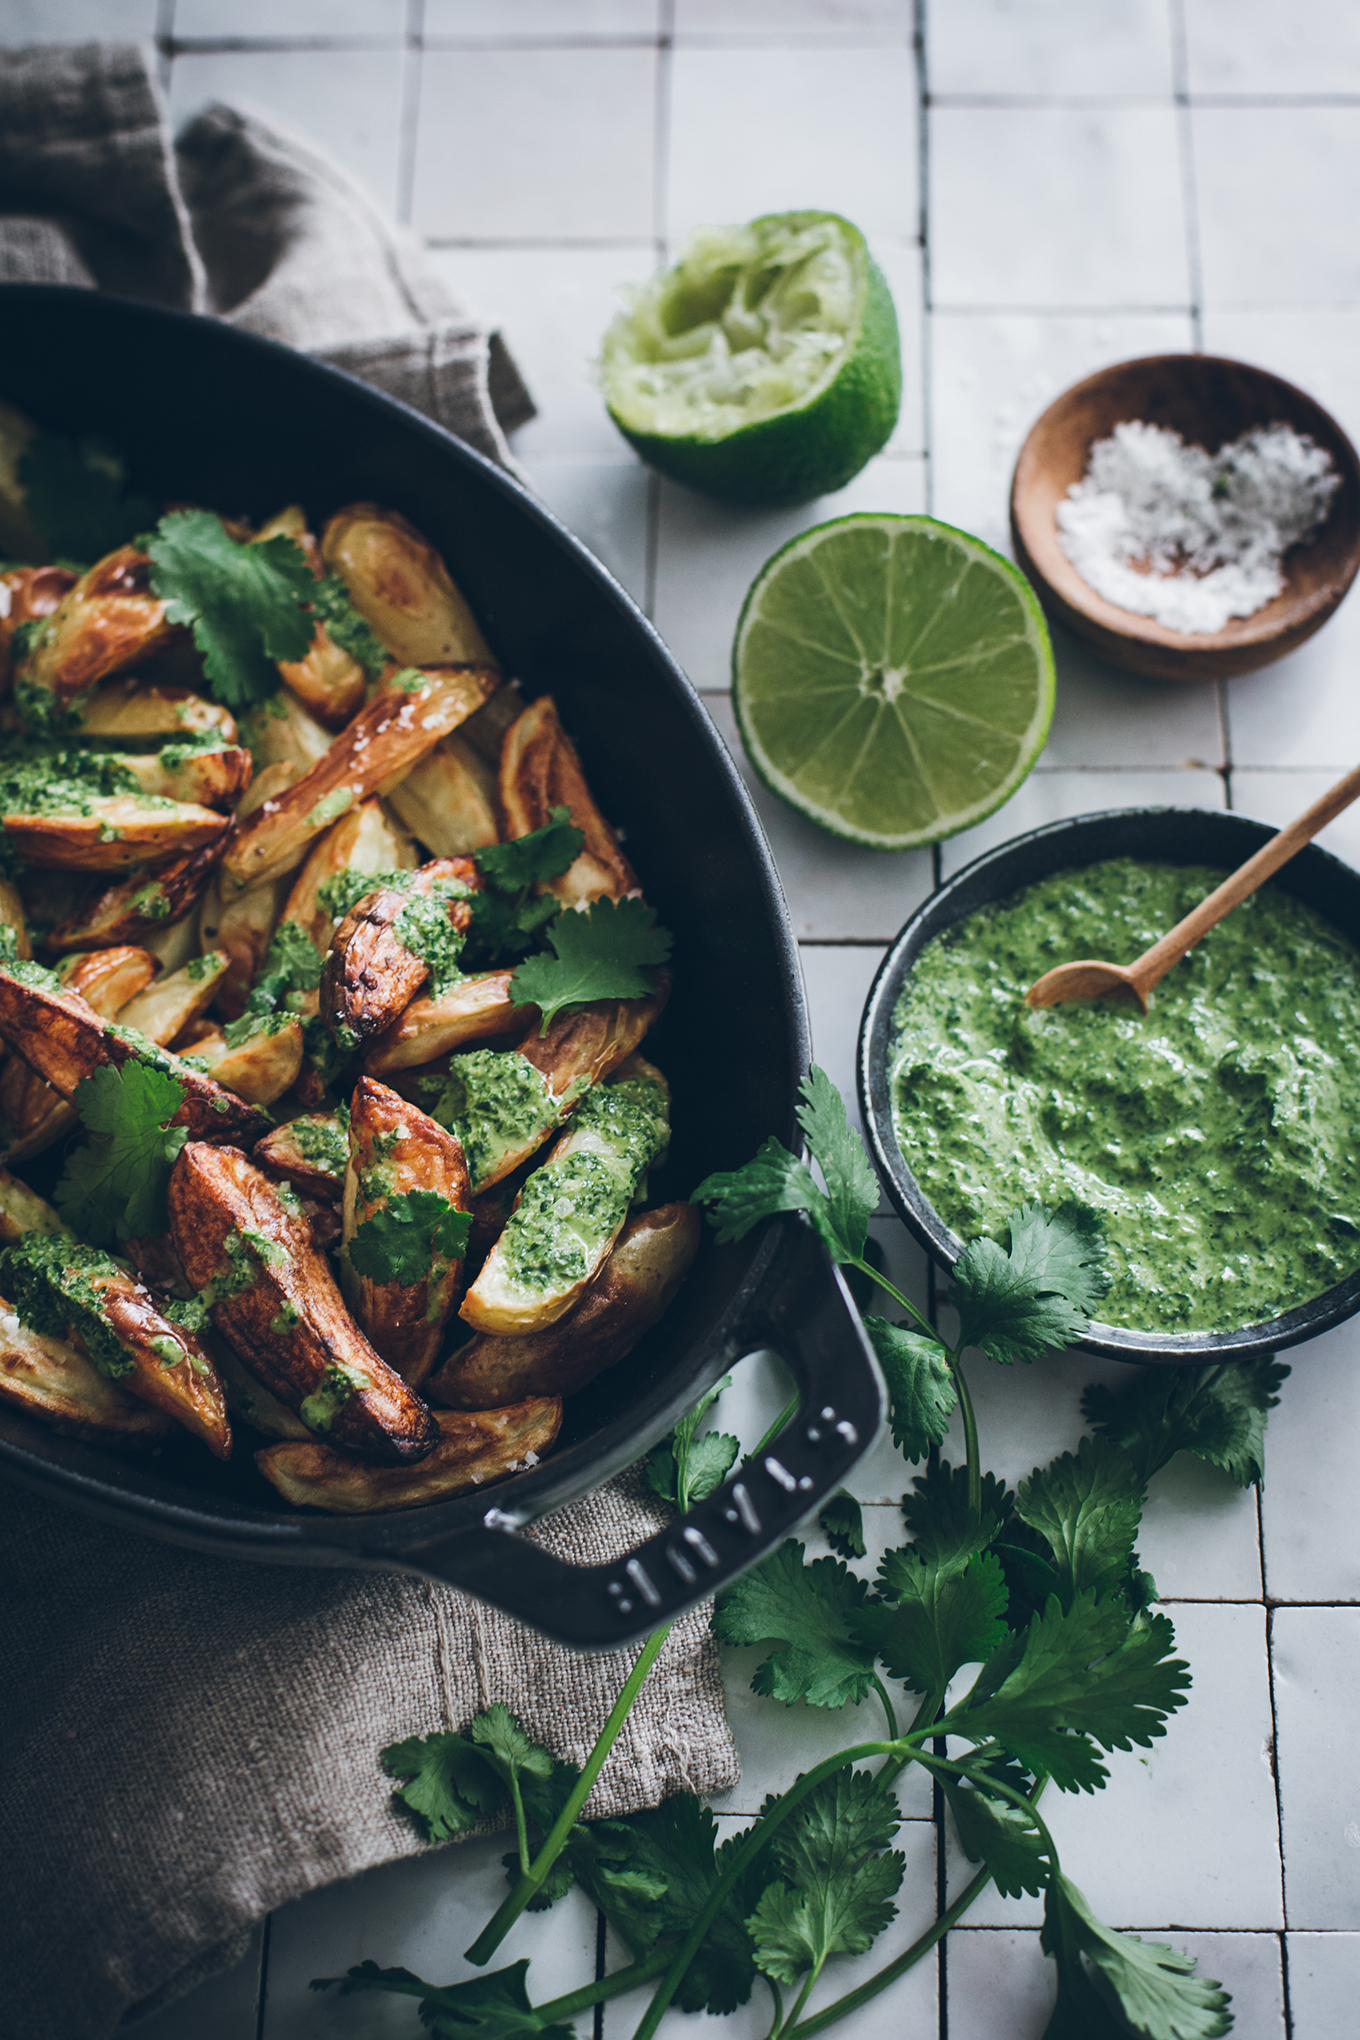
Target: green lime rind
893,693
817,445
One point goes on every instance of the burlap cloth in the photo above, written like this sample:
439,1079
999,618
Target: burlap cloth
188,1742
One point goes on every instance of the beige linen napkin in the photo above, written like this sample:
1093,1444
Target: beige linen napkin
188,1742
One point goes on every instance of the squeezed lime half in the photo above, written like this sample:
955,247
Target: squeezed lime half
764,367
893,678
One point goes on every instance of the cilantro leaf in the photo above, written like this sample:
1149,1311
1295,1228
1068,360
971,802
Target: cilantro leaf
686,1468
851,1185
842,1524
1218,1413
603,952
1154,1986
1086,1506
331,605
494,2007
935,1615
1021,1302
115,1185
451,1783
809,1608
544,854
937,1514
242,601
921,1390
838,1889
74,494
774,1181
292,963
994,1832
399,1243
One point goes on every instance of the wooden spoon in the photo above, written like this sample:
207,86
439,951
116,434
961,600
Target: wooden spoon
1091,979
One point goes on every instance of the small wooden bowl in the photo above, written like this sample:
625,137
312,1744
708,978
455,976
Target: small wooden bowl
1209,401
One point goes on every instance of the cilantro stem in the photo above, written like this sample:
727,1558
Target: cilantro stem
621,1980
972,1449
778,2007
867,1268
531,1880
882,1693
521,1826
786,1416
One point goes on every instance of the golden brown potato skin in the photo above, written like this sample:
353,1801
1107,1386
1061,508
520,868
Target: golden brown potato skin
47,1378
143,903
540,771
129,708
33,591
188,1389
34,1113
108,621
366,839
475,1009
473,1450
636,1284
119,830
369,976
395,1149
401,587
281,1154
289,1325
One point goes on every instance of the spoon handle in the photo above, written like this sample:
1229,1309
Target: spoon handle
1153,965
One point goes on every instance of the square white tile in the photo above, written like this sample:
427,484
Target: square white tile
1049,796
994,47
1184,1835
347,101
419,1915
552,306
1324,1983
992,375
1277,797
227,2007
536,144
1057,207
721,20
605,504
833,888
1266,181
1305,709
508,19
1310,1507
708,554
1255,46
1105,716
772,130
277,19
1316,1657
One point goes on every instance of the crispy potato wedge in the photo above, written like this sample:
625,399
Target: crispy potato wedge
649,1262
34,1113
401,587
143,903
23,1211
474,1449
393,1150
241,924
215,779
282,732
367,839
111,832
60,1035
275,1300
154,1257
393,733
108,621
475,1009
370,976
540,771
174,943
486,730
27,593
449,800
260,1068
12,915
178,997
250,1401
47,1378
311,1152
330,683
129,708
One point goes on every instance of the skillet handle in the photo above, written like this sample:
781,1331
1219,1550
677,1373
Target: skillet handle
812,1323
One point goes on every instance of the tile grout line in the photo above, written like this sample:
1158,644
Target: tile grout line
412,77
1189,191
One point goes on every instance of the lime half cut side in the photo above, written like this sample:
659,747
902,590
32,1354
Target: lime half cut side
764,366
893,678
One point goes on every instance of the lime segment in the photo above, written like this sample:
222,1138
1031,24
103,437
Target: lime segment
892,678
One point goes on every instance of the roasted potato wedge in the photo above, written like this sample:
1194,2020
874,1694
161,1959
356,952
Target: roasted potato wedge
241,923
260,1068
475,1009
543,1262
250,1401
449,799
129,708
47,1378
153,1256
215,779
282,732
81,1295
401,587
650,1260
12,915
23,1211
394,1150
311,1152
25,594
109,620
275,1300
62,1037
112,831
33,1112
367,839
486,730
370,975
330,683
178,997
141,904
393,733
474,1449
540,771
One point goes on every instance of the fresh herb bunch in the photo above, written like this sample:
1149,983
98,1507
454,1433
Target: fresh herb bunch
1040,1587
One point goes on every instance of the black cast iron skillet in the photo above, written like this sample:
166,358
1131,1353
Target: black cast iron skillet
1165,835
207,414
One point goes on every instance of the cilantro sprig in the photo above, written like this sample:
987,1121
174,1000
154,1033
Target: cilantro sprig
291,968
114,1186
509,912
402,1241
608,950
243,602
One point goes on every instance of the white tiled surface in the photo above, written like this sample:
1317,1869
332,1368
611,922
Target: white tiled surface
1100,179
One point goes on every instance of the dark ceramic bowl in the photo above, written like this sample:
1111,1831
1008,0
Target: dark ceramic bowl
1171,836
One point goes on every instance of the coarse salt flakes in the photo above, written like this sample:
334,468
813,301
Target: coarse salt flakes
1188,537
